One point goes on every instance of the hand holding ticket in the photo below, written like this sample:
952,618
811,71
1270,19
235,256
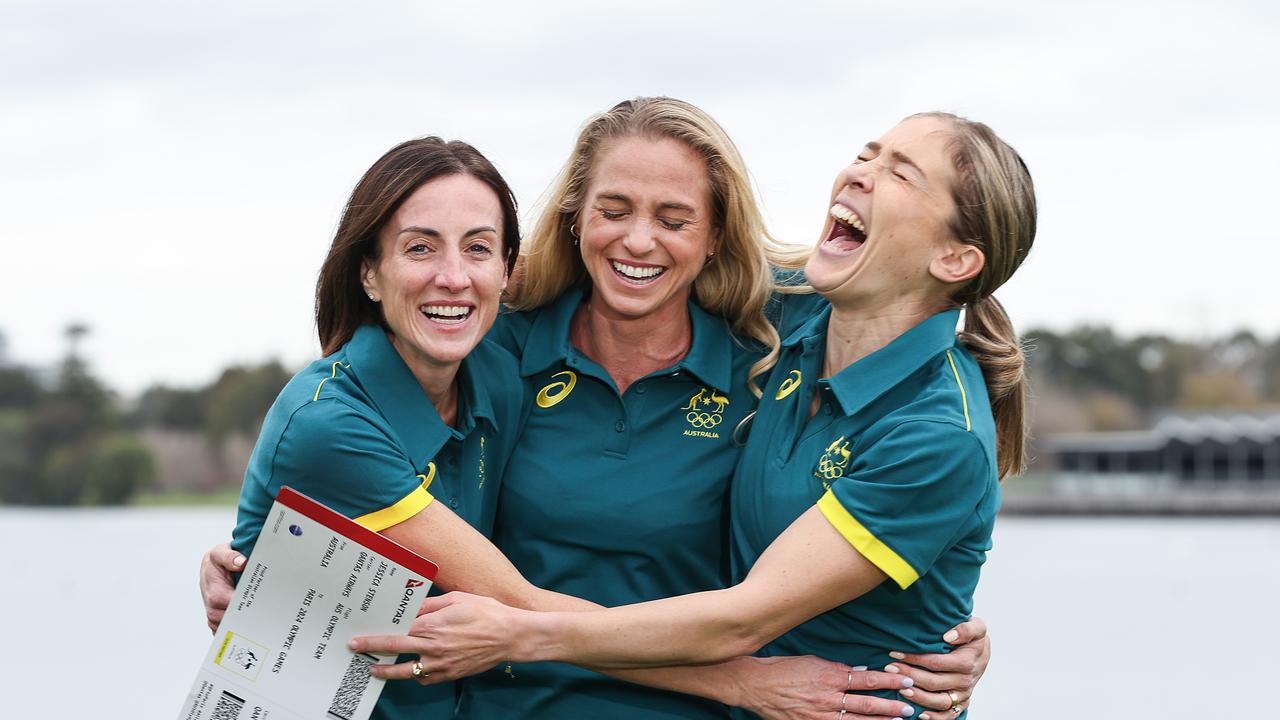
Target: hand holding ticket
314,580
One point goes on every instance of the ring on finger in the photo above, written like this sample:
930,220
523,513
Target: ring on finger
842,699
849,685
955,702
418,672
842,712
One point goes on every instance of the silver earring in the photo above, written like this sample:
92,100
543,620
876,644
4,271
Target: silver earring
371,297
573,230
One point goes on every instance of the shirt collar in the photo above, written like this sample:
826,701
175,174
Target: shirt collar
710,355
396,394
858,385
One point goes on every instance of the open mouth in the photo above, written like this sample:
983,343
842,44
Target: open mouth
848,231
637,274
447,314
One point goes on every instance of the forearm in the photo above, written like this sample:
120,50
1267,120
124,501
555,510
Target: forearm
470,563
808,570
701,628
720,682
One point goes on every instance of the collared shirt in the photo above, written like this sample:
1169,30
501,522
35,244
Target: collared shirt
355,431
900,458
616,498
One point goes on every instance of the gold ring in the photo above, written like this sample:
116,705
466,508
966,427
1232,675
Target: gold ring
417,671
842,699
849,685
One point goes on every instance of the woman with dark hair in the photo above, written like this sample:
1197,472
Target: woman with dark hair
864,502
410,410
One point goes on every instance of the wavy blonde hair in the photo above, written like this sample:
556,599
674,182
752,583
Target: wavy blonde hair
735,284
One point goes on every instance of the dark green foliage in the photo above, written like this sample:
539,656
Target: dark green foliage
66,444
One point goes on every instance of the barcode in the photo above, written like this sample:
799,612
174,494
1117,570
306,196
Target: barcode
228,707
354,681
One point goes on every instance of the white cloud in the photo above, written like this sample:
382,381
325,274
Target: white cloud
172,173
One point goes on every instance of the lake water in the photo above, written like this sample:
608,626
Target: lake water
1091,618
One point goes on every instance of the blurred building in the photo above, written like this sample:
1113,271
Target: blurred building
1182,449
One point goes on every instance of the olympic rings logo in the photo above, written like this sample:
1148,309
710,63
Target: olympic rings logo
704,419
552,394
789,385
829,470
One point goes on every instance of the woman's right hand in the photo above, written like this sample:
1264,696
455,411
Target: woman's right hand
810,688
216,586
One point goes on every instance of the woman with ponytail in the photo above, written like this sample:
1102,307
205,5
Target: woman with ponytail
865,499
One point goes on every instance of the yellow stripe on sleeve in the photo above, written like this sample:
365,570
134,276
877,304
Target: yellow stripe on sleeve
408,506
964,397
880,555
319,387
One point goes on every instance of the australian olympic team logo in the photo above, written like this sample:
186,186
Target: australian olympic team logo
704,411
553,393
833,462
788,385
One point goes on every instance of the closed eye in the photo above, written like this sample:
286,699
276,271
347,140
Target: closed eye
612,214
672,224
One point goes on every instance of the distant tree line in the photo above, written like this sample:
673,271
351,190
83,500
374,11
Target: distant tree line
65,439
1090,378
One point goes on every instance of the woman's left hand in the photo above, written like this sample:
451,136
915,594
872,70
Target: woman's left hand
456,635
938,677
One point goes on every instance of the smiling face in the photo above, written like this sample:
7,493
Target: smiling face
646,226
439,271
887,236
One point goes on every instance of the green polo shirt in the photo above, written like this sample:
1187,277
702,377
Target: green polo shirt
900,458
616,498
355,431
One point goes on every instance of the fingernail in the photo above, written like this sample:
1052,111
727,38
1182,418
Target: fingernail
908,693
924,716
237,560
908,711
859,668
897,655
908,682
951,636
891,668
353,645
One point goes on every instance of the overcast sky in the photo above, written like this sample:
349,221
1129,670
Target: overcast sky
171,173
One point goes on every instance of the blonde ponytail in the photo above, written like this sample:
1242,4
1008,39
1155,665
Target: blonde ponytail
995,212
991,339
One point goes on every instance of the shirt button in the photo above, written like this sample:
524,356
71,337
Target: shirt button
454,503
640,389
826,408
620,426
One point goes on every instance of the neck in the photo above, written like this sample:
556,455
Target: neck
437,381
854,332
630,348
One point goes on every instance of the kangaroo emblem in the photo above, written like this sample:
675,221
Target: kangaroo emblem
707,397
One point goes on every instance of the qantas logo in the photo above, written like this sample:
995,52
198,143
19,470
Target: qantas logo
404,601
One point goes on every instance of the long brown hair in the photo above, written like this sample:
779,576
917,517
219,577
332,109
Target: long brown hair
734,285
341,303
996,212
